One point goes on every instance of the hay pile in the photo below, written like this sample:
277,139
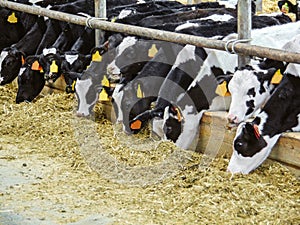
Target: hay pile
138,180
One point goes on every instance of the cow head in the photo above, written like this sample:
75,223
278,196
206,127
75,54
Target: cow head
249,88
51,61
11,61
72,66
131,55
128,101
90,83
250,148
30,80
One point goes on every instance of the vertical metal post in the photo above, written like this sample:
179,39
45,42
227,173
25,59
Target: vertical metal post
100,12
244,27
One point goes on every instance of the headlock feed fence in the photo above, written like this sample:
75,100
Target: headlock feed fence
96,23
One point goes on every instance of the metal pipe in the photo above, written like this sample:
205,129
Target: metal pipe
244,27
245,49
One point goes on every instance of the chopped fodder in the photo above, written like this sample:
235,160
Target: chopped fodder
132,178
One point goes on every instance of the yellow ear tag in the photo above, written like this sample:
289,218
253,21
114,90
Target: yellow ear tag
222,89
12,18
152,51
96,57
35,65
103,96
114,19
277,77
73,85
53,67
139,92
105,81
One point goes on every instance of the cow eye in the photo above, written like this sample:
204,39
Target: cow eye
239,144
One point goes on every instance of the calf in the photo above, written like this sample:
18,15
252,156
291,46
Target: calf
251,87
131,55
12,57
30,80
185,68
89,84
254,140
183,127
136,96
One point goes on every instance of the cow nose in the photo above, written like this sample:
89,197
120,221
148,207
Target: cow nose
232,118
109,69
80,114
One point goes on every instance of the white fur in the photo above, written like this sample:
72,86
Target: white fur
112,68
216,17
82,87
47,51
242,81
187,53
118,96
71,58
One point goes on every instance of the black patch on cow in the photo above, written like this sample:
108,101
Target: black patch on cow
251,106
217,71
247,144
172,128
251,92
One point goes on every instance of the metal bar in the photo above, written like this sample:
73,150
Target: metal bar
244,27
100,12
246,49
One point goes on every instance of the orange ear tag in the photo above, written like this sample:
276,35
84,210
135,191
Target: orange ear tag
53,67
152,51
256,131
277,77
222,89
136,125
35,65
178,115
22,60
96,57
12,18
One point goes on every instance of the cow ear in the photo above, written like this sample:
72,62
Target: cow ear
225,77
252,130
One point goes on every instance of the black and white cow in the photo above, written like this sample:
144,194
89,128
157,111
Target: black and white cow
131,55
182,131
254,140
89,84
136,96
251,87
181,74
11,58
30,80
